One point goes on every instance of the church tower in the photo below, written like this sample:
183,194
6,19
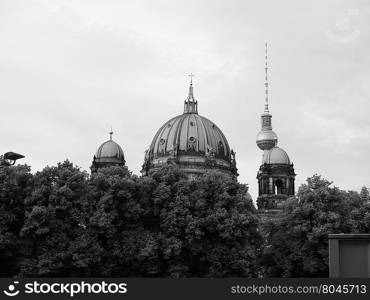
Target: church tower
276,173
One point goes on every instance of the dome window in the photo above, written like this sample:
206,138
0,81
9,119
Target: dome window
169,125
162,141
213,126
191,145
192,123
221,148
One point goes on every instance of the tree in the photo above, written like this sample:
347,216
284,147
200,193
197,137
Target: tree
206,227
360,215
15,185
165,225
63,222
53,214
297,243
122,245
364,194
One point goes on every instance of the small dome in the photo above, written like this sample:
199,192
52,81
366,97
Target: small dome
275,155
108,154
266,139
110,149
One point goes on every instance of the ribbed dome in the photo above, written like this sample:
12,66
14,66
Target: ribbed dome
110,149
275,155
190,133
108,154
192,141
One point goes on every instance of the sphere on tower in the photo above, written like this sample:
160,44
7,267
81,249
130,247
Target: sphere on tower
266,139
192,142
276,174
108,154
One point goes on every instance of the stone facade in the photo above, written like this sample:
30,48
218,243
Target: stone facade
275,185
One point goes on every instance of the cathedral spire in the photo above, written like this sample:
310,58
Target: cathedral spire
191,93
191,105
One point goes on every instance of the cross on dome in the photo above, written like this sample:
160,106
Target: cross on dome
191,75
191,105
111,133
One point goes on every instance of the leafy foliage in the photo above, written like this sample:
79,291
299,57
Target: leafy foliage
207,227
15,185
113,223
52,218
63,222
297,243
364,194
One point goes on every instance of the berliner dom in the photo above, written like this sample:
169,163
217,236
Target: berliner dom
192,142
197,145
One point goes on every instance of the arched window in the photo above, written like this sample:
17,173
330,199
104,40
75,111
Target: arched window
278,187
221,149
192,144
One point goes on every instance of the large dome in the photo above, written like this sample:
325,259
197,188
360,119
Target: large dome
192,134
275,155
192,141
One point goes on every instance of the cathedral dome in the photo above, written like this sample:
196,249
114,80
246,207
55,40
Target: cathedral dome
108,154
193,142
275,155
192,134
110,150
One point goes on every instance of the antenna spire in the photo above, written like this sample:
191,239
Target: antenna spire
111,133
266,138
266,83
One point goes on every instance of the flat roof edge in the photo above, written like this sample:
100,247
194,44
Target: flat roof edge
346,236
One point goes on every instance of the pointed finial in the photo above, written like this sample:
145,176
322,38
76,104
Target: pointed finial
191,95
111,133
191,105
191,75
266,83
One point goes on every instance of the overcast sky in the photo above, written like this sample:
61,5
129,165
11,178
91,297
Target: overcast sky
71,69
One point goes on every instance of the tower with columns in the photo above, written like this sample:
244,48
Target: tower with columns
276,174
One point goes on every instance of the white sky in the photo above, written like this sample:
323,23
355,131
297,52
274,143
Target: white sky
71,69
